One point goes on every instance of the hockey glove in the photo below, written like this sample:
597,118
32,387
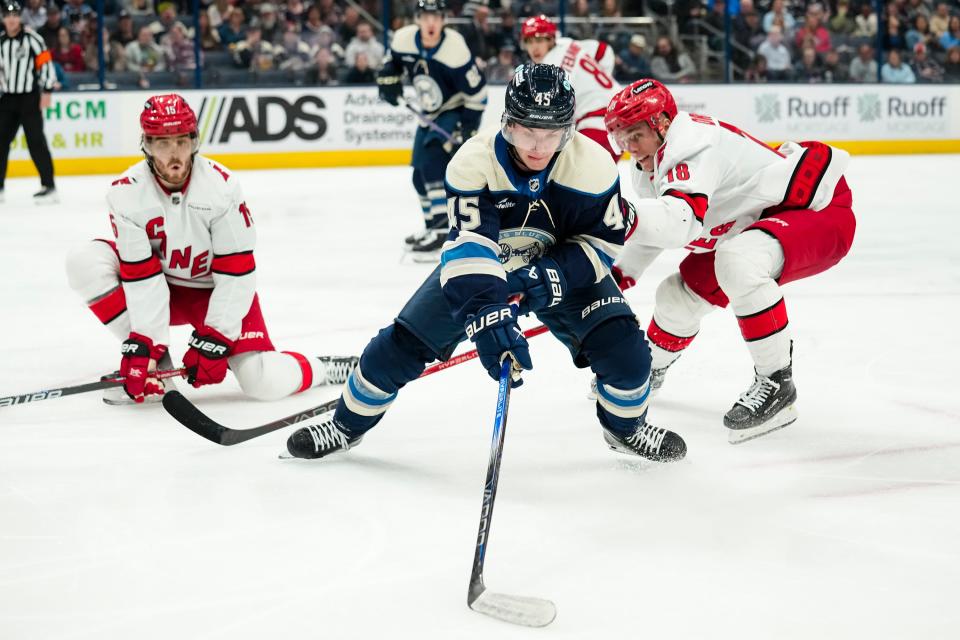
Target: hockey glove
541,282
495,332
206,359
454,143
139,361
389,86
623,280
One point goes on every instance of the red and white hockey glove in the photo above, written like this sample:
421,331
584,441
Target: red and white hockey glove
623,280
206,360
139,361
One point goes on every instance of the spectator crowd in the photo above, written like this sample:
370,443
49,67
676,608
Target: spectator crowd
329,42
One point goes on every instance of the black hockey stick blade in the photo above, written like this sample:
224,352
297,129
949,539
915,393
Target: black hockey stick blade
187,414
522,610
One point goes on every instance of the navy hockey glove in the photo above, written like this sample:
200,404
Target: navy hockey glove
390,86
494,330
541,282
206,359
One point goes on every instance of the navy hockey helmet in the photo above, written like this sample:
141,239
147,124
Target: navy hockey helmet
11,6
431,6
540,96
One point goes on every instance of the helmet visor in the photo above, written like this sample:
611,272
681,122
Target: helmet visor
621,140
535,139
170,146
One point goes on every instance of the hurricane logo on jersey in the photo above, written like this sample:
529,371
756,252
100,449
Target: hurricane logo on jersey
520,247
428,93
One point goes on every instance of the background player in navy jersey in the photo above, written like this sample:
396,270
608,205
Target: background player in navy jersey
451,91
535,209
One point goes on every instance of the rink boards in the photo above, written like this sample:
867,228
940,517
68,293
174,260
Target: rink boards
99,132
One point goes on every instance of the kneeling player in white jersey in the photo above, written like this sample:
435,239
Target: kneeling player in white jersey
183,254
754,219
589,65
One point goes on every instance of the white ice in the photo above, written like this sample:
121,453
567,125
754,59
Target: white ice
119,523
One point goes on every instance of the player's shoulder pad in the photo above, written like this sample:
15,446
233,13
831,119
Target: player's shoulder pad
686,139
125,190
453,51
586,167
214,175
474,168
405,39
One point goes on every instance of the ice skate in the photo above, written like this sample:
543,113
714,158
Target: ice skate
415,238
338,368
46,195
319,440
647,441
428,248
766,406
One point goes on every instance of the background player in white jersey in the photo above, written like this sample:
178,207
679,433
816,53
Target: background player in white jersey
183,254
589,64
451,91
535,210
754,219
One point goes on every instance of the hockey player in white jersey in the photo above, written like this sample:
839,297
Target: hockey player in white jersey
183,254
754,219
589,65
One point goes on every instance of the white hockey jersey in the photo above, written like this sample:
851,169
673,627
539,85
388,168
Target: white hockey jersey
592,82
711,180
202,236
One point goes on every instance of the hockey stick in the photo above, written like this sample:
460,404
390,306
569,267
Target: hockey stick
187,413
523,610
427,122
106,382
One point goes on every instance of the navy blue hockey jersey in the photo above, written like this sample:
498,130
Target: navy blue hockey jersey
503,219
444,77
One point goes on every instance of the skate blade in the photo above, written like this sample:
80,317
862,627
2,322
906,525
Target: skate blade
522,610
784,418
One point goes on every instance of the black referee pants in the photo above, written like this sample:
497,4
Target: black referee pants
24,109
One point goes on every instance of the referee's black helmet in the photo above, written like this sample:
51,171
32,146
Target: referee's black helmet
11,6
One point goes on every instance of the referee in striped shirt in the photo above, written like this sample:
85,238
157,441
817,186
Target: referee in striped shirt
26,79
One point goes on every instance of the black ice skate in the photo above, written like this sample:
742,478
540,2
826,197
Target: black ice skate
338,368
764,407
647,441
320,440
46,195
415,238
427,248
656,378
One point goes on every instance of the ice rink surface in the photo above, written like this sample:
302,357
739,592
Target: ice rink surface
116,522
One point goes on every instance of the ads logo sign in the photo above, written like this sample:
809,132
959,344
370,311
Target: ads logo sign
262,118
767,107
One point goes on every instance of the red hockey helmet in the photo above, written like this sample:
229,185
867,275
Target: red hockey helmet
538,27
167,115
643,101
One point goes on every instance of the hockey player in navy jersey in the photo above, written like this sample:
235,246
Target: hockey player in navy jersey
536,210
451,91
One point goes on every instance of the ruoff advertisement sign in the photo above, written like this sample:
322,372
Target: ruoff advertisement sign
832,112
